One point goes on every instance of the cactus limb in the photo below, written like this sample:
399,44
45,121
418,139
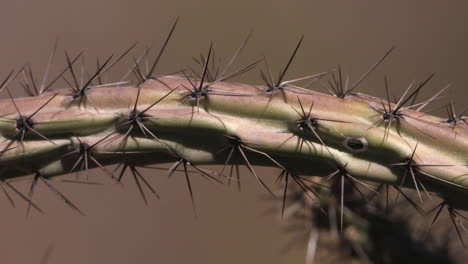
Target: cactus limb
302,131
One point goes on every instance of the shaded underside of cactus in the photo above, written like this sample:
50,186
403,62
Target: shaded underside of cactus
192,122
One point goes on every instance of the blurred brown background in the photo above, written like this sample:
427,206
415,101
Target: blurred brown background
430,36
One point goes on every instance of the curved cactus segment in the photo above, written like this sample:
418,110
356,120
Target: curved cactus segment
299,131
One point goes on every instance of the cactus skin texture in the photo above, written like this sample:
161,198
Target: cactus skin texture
193,122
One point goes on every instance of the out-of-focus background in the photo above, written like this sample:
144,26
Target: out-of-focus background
232,227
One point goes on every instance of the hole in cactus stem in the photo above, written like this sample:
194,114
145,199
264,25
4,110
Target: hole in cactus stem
355,144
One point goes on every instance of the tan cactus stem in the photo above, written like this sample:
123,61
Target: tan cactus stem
271,129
